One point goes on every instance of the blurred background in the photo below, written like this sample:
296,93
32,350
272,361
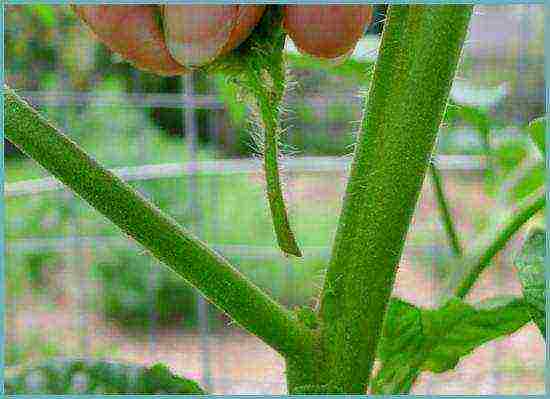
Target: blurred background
76,286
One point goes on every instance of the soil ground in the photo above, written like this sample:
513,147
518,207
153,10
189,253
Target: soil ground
239,363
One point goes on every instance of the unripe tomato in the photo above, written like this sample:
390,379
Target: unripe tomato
326,31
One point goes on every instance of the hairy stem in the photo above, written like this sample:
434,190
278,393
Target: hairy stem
520,217
177,248
258,69
268,104
416,65
285,236
446,216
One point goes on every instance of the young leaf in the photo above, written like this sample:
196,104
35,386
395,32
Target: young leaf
415,339
533,179
477,117
457,328
402,330
536,130
90,376
530,266
401,349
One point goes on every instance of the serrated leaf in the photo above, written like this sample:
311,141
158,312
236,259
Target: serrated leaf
415,339
537,130
402,330
530,266
531,181
91,376
457,329
509,154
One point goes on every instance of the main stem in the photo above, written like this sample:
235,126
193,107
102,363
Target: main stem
417,61
177,248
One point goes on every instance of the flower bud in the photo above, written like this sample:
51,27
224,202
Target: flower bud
134,32
196,35
326,31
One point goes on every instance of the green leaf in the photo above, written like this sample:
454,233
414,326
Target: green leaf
401,349
45,13
90,376
536,130
530,266
402,330
416,339
533,179
509,154
476,117
457,328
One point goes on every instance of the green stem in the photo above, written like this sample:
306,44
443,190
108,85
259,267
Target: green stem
269,96
258,68
519,218
281,224
177,248
418,57
446,216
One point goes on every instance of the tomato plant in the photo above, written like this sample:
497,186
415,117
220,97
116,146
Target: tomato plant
332,348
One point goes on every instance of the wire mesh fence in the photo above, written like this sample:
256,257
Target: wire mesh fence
78,287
